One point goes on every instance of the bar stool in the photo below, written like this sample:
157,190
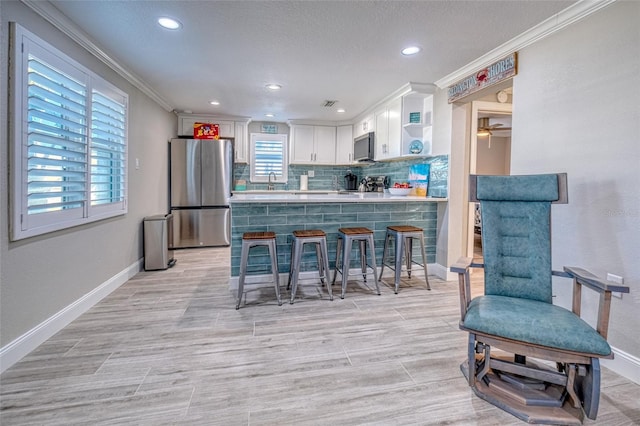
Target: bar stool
255,239
403,236
319,239
347,236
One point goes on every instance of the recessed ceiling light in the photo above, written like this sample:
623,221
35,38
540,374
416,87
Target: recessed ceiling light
214,102
273,86
340,110
169,23
411,50
270,115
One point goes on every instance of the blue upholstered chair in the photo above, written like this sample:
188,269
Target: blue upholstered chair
547,368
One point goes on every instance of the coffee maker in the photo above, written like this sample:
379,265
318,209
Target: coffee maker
350,181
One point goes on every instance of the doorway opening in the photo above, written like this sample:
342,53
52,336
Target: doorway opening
490,154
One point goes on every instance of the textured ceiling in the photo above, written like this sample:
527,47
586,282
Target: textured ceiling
347,51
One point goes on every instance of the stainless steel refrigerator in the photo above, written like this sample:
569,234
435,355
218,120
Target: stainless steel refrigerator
201,172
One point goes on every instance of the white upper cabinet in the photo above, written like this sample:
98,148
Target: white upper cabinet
388,131
313,144
241,145
366,125
226,128
344,145
402,123
325,144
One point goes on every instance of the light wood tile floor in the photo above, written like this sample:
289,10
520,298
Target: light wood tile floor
168,347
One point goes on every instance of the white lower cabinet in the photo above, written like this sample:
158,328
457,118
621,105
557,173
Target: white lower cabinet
312,144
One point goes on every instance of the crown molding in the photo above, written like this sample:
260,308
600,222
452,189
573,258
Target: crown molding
50,13
562,19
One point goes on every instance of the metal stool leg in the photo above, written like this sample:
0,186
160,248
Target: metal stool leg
346,251
319,257
385,254
338,251
244,254
424,260
293,242
325,265
274,269
363,259
295,266
373,262
400,248
408,241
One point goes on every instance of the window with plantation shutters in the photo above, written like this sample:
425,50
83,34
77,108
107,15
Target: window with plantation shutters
108,149
69,141
268,155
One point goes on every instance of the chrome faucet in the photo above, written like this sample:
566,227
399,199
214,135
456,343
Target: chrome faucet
271,187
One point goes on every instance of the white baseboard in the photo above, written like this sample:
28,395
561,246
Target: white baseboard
624,364
442,272
20,347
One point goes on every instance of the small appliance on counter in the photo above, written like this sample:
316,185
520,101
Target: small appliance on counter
304,182
350,181
374,183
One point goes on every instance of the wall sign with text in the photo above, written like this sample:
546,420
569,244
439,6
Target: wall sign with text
499,71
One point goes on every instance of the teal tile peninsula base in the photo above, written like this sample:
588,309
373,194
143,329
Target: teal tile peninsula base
286,217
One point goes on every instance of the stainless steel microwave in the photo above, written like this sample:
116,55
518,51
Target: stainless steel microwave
364,147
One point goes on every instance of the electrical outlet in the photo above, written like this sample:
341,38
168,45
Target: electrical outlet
618,280
311,173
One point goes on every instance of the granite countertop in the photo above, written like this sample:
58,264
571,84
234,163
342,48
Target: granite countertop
324,197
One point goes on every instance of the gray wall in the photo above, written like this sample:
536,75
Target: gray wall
577,110
40,276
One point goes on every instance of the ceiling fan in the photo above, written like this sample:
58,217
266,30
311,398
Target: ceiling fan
485,129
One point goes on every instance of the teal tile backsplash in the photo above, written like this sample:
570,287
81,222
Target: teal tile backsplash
324,175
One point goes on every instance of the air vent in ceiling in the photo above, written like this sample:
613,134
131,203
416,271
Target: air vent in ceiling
329,104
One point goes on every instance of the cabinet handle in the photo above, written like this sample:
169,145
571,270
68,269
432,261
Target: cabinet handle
311,159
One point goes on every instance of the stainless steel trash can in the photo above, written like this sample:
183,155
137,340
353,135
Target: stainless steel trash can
158,252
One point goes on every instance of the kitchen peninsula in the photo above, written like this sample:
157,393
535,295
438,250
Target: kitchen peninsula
283,212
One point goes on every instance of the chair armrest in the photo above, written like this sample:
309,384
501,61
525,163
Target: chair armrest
463,264
461,267
583,277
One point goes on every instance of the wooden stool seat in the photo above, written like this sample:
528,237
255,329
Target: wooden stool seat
403,236
355,231
346,237
404,228
254,239
265,235
309,233
318,238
